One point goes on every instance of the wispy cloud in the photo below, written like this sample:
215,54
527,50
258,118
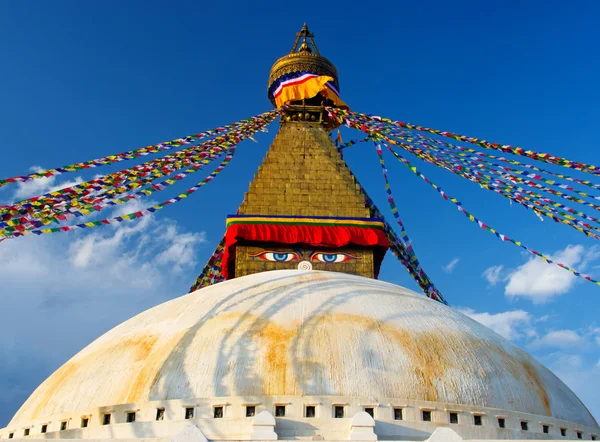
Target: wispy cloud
564,339
41,185
449,268
493,274
512,325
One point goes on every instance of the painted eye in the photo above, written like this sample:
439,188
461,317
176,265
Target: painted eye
276,256
332,257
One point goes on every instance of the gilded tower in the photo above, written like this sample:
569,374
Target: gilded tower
303,185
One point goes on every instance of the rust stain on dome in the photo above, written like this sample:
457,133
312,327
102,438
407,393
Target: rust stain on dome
429,356
534,378
153,357
277,379
427,351
54,383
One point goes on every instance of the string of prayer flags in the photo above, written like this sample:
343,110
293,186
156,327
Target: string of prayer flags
132,154
212,271
130,216
398,249
545,157
32,215
404,239
497,180
485,226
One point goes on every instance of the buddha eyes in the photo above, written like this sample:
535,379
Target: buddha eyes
329,258
277,256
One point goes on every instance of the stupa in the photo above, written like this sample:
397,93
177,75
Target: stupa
302,341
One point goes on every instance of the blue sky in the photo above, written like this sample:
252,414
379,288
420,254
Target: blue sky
81,80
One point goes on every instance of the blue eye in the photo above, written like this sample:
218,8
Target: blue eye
332,257
276,256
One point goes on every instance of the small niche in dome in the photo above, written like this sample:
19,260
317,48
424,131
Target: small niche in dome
545,429
398,414
453,418
130,417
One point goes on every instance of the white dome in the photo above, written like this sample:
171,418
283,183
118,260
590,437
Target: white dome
294,333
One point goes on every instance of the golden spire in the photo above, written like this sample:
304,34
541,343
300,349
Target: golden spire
304,57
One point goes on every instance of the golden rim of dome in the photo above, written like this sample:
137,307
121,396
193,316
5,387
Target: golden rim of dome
303,57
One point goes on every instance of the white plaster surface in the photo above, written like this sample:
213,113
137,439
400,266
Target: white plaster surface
294,337
362,427
263,427
443,434
190,433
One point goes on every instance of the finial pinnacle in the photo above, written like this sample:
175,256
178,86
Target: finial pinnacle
305,35
303,58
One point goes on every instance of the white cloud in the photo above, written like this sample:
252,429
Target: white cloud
511,325
598,364
543,318
493,274
540,281
41,185
61,291
564,339
596,335
449,268
565,362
